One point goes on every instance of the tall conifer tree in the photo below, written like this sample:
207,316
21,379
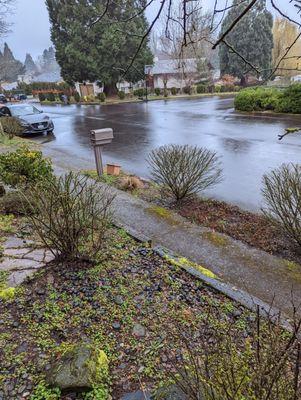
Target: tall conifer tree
95,40
252,38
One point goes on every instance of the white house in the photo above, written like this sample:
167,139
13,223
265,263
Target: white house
176,73
93,89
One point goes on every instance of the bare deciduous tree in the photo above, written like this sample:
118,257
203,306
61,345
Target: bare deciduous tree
185,19
5,8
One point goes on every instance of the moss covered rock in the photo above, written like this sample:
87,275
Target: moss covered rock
80,367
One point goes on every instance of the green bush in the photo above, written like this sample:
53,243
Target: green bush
202,88
71,216
50,96
42,97
187,89
227,88
290,100
140,92
10,126
24,167
257,99
121,94
174,91
157,91
76,97
217,88
102,97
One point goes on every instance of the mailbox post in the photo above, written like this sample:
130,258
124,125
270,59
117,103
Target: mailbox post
99,138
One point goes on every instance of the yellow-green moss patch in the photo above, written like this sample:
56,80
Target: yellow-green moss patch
163,213
216,239
294,270
182,262
7,293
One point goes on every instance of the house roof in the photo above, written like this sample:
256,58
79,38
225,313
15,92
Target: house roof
9,86
48,77
188,65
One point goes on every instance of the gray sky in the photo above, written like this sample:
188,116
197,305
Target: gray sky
30,29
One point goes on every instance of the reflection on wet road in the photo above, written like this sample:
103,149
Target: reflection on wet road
248,145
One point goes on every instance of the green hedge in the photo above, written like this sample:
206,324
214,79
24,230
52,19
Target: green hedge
270,99
140,92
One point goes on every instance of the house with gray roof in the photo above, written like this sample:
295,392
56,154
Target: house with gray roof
176,73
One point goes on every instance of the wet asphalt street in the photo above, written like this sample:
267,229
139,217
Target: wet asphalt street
248,145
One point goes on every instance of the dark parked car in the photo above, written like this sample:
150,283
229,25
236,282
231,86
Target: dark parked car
3,99
20,97
31,119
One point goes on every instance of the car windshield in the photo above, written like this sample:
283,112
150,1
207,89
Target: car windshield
19,111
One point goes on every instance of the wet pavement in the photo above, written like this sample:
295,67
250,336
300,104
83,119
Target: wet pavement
248,145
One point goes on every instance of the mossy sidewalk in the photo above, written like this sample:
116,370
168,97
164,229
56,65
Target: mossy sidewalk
270,279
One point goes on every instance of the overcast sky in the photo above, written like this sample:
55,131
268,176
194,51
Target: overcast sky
30,29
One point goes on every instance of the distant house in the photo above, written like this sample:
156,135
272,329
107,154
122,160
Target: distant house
176,73
8,86
51,77
93,88
88,89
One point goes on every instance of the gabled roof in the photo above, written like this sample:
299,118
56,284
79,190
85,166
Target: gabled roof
176,66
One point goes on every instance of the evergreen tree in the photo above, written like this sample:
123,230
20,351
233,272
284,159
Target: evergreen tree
252,38
49,63
10,68
30,66
89,48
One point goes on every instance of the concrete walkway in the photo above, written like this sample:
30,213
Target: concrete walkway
260,274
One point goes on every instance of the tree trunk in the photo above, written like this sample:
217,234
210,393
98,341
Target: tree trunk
110,90
243,81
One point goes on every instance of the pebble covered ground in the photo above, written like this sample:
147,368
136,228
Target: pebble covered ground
130,304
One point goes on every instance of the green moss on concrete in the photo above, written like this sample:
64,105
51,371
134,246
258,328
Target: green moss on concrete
182,262
216,239
294,270
164,214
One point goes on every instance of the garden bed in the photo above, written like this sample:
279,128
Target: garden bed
130,304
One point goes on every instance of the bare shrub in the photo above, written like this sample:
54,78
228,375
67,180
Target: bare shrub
263,366
71,216
282,194
131,183
13,203
185,170
10,126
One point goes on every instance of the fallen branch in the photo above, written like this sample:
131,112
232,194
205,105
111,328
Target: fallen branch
288,131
